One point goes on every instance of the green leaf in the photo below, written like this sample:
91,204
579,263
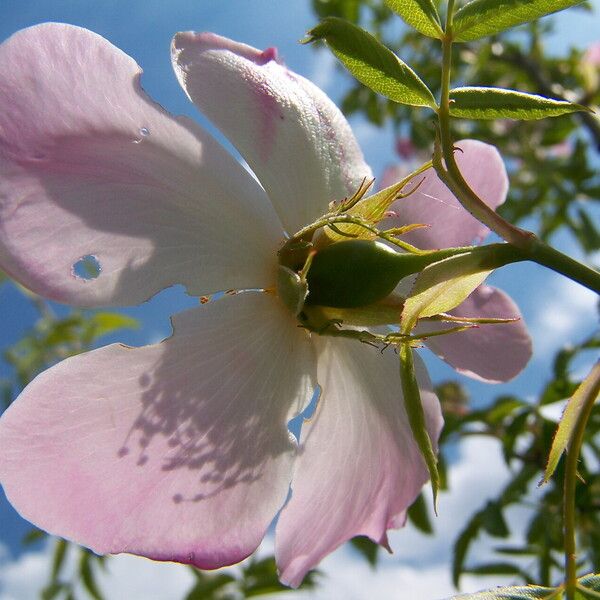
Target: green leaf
419,516
498,103
481,18
32,536
529,592
87,575
104,323
58,559
499,568
585,396
416,416
588,587
367,547
461,546
208,585
493,521
52,591
372,63
420,14
441,287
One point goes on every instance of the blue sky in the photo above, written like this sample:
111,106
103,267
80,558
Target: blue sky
556,311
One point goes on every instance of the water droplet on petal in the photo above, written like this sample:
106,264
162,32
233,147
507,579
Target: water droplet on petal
143,132
88,267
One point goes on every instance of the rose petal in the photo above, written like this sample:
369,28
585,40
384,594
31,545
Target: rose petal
359,469
433,204
491,353
91,167
293,137
176,451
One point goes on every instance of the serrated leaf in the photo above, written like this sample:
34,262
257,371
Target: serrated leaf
585,585
586,394
420,14
528,592
372,63
441,287
499,103
416,415
481,18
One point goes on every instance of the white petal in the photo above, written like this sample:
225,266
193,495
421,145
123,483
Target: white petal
176,451
91,167
293,137
359,469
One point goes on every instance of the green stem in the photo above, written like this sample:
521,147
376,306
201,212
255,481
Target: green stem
448,171
591,393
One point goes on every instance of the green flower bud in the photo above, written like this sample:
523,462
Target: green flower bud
358,272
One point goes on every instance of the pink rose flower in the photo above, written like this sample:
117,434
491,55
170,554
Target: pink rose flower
180,450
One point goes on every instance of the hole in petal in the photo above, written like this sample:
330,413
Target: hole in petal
87,267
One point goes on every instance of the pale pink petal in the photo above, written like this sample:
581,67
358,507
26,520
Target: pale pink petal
293,137
178,451
491,353
359,468
449,224
90,166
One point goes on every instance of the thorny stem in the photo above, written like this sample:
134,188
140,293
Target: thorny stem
592,391
447,169
535,250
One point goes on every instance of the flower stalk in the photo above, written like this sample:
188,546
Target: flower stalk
591,393
448,171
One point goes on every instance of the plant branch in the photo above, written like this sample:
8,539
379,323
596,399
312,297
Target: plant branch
448,171
591,393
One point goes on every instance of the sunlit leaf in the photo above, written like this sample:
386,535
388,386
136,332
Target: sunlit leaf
498,103
372,63
416,415
104,323
481,18
420,14
587,393
529,592
441,287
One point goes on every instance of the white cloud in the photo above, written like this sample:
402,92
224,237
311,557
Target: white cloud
564,310
323,69
23,578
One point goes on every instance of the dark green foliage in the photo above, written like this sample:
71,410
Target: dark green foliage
257,578
552,180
